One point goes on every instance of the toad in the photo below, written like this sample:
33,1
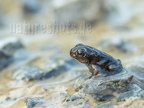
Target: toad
96,60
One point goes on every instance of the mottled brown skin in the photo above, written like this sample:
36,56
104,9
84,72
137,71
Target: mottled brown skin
96,60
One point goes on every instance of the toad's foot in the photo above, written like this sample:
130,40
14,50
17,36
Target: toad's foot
94,74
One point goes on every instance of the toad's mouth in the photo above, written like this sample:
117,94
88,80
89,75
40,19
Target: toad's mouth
83,61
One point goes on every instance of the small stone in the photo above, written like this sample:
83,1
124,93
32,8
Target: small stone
73,98
7,99
32,102
105,97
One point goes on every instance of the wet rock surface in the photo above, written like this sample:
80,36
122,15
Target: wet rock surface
103,88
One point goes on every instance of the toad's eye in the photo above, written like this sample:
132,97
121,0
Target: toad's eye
94,53
81,52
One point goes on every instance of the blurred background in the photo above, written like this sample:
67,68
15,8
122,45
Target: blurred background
61,20
41,19
38,34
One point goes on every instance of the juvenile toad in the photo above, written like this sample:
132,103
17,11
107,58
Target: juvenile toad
96,60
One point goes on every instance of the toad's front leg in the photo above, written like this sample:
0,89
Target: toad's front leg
93,70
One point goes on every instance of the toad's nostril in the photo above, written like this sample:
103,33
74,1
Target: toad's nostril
73,55
73,52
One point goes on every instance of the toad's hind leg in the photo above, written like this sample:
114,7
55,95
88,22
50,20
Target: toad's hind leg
112,67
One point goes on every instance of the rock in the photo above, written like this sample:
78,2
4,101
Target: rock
141,94
5,60
124,46
54,72
65,11
114,12
134,91
27,73
63,67
7,99
105,106
136,68
31,7
55,69
32,102
8,47
73,98
102,88
117,12
2,21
